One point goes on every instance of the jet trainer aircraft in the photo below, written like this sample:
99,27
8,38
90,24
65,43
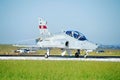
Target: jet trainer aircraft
67,40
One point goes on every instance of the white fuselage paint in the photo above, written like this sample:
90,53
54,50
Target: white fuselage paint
59,41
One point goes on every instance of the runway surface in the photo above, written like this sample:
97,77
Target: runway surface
58,57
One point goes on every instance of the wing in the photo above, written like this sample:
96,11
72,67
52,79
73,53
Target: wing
29,46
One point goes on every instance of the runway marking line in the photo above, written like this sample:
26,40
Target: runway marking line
60,58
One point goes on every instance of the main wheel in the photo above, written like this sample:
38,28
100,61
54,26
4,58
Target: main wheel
46,56
76,55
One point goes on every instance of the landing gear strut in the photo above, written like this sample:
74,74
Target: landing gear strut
86,53
47,54
77,53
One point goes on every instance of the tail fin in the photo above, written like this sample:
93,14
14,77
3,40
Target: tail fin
43,26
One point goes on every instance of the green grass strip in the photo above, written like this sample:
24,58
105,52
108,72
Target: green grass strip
58,70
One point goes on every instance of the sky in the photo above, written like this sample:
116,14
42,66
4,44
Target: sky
98,20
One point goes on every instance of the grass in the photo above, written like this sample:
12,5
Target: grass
108,52
59,70
7,49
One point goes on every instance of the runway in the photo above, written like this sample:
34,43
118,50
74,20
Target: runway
62,58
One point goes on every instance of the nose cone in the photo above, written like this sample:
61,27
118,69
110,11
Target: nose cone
92,46
96,45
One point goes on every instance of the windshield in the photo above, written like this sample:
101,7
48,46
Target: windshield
76,35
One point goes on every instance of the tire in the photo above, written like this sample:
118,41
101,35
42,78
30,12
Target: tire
46,56
76,55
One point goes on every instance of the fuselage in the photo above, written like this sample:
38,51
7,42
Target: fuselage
67,39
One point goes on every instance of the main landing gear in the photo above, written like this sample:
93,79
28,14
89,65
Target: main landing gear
77,53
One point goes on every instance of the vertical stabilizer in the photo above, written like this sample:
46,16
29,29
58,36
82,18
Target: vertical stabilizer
44,33
43,27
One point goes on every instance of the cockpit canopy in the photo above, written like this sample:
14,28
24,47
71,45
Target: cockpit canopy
76,35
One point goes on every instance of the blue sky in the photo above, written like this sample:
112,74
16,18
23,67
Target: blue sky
98,20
